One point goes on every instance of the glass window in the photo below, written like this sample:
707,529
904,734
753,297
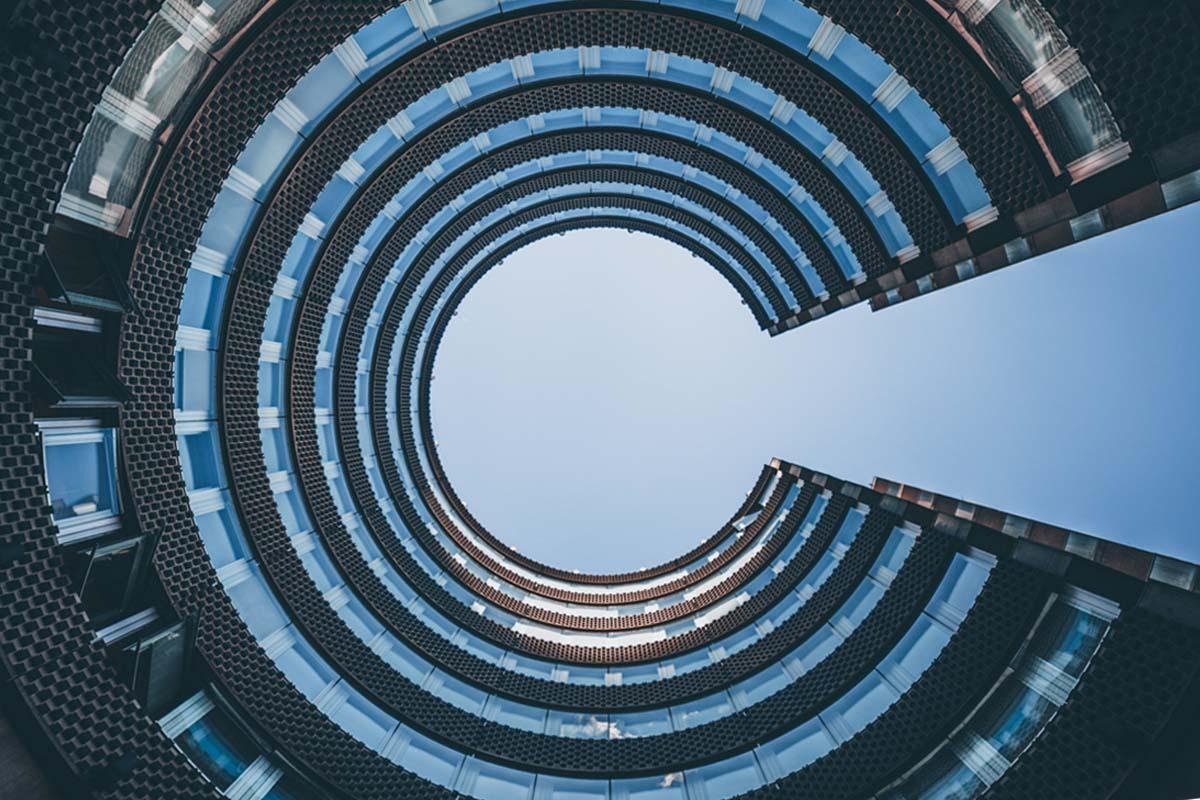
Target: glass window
759,582
635,724
358,619
857,607
106,173
195,380
306,670
524,665
436,622
274,443
576,725
218,748
199,457
554,64
397,587
255,602
812,651
698,712
81,471
582,676
271,389
659,787
1068,637
916,124
815,510
553,787
848,530
320,89
299,256
795,749
102,575
333,198
320,568
857,65
370,154
221,535
690,662
362,719
639,673
268,152
405,661
485,651
279,319
1013,718
228,222
782,611
791,23
727,778
943,777
167,62
291,511
896,550
515,715
1022,35
915,652
860,706
455,692
759,687
341,493
792,547
323,383
388,36
423,756
821,572
486,780
1078,121
962,583
456,12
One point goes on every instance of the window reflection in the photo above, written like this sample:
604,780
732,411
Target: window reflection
199,455
485,779
1019,709
80,460
577,725
552,787
1032,51
118,145
81,470
671,786
226,754
218,749
104,577
724,779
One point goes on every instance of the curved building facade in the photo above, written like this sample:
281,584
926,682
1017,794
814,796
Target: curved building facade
231,563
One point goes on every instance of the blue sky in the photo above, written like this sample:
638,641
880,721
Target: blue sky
603,401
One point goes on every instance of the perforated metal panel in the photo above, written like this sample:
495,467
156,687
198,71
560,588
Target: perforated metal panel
1158,43
53,68
51,76
1133,684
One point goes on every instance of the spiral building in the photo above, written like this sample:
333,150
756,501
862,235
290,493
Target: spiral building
232,235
